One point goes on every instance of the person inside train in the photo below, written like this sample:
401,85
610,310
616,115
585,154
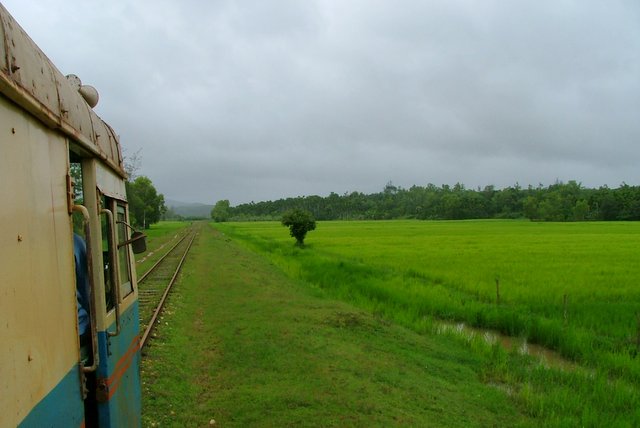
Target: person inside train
82,289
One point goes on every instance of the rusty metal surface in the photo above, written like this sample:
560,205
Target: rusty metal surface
29,79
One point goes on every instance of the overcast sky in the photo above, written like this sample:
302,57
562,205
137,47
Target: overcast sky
258,99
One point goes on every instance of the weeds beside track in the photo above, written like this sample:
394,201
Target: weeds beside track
155,284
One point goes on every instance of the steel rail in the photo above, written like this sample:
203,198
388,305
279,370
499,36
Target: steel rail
158,309
152,268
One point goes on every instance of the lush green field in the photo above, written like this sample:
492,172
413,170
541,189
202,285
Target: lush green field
572,287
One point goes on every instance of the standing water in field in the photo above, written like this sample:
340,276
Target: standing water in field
546,356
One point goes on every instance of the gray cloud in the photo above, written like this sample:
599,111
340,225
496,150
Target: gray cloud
258,100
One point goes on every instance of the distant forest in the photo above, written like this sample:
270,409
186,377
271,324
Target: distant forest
558,202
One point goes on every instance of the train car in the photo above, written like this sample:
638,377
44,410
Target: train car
69,328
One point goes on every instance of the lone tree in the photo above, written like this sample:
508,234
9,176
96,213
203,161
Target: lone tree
299,222
146,205
221,211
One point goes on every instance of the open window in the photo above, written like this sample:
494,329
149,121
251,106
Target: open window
116,256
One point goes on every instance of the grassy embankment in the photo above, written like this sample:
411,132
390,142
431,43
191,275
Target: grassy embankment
571,287
243,344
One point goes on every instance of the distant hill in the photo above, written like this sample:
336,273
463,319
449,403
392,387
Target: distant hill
189,209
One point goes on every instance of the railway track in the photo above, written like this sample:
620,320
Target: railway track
155,284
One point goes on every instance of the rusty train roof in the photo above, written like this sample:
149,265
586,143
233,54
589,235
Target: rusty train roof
31,80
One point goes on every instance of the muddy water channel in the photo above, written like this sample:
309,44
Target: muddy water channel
546,356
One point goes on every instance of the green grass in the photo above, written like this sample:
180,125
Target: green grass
412,271
245,345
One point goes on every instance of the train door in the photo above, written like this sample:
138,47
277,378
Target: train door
86,304
114,389
118,383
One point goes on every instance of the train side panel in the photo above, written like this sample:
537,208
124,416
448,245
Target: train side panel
38,315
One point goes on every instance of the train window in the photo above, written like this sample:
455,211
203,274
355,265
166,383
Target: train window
106,256
126,286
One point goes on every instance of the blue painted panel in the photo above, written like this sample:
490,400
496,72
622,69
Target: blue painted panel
62,407
120,369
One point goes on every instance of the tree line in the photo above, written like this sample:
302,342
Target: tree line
557,202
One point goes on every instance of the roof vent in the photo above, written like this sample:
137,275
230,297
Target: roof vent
89,93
